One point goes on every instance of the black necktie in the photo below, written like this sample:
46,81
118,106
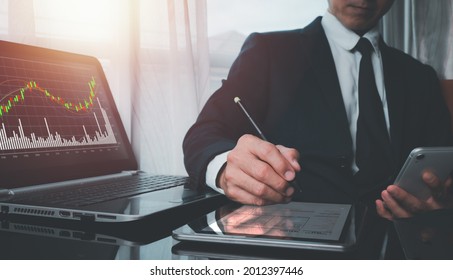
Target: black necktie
373,153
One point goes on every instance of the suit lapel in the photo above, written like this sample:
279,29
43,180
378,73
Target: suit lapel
327,79
325,85
395,100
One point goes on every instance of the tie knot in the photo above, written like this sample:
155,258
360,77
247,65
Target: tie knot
364,46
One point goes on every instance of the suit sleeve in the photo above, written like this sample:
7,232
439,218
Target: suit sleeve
221,123
437,126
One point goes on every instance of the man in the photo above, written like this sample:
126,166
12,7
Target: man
302,88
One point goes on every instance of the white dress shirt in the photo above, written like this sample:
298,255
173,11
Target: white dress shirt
347,63
342,42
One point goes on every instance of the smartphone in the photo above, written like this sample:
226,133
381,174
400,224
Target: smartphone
438,160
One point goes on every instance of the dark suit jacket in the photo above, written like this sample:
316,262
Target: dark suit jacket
288,82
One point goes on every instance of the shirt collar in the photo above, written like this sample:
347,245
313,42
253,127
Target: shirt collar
344,37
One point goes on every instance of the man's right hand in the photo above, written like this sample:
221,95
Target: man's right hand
257,172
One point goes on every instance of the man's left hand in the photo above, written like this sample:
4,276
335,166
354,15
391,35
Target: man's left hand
397,203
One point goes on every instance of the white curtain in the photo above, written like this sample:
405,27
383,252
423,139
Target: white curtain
172,78
423,29
154,53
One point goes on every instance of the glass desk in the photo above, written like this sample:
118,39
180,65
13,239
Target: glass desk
428,236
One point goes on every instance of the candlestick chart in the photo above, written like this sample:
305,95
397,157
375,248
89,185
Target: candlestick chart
51,107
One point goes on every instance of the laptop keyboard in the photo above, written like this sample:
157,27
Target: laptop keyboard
101,192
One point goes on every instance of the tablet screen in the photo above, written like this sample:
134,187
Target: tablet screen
294,220
296,225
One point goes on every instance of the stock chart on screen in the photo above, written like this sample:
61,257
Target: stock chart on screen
58,118
50,108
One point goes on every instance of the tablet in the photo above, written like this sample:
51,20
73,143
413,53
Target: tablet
300,225
439,160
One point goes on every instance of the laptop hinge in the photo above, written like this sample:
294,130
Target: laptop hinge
82,181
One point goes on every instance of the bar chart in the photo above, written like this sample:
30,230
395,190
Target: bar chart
20,141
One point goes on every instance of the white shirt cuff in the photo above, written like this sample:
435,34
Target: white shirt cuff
213,169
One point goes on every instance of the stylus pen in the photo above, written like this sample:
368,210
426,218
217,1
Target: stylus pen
237,100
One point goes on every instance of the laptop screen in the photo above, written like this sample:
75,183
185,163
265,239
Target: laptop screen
58,120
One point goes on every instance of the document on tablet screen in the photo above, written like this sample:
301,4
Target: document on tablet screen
296,219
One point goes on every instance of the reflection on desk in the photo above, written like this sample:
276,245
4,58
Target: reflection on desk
50,239
427,236
33,247
33,239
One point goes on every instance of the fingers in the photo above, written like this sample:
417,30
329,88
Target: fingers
440,191
434,183
382,210
242,188
271,155
431,179
406,200
398,203
257,172
394,202
291,155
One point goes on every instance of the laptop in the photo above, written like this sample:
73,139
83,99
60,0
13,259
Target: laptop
64,152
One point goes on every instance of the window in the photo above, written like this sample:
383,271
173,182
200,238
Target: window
84,20
229,23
